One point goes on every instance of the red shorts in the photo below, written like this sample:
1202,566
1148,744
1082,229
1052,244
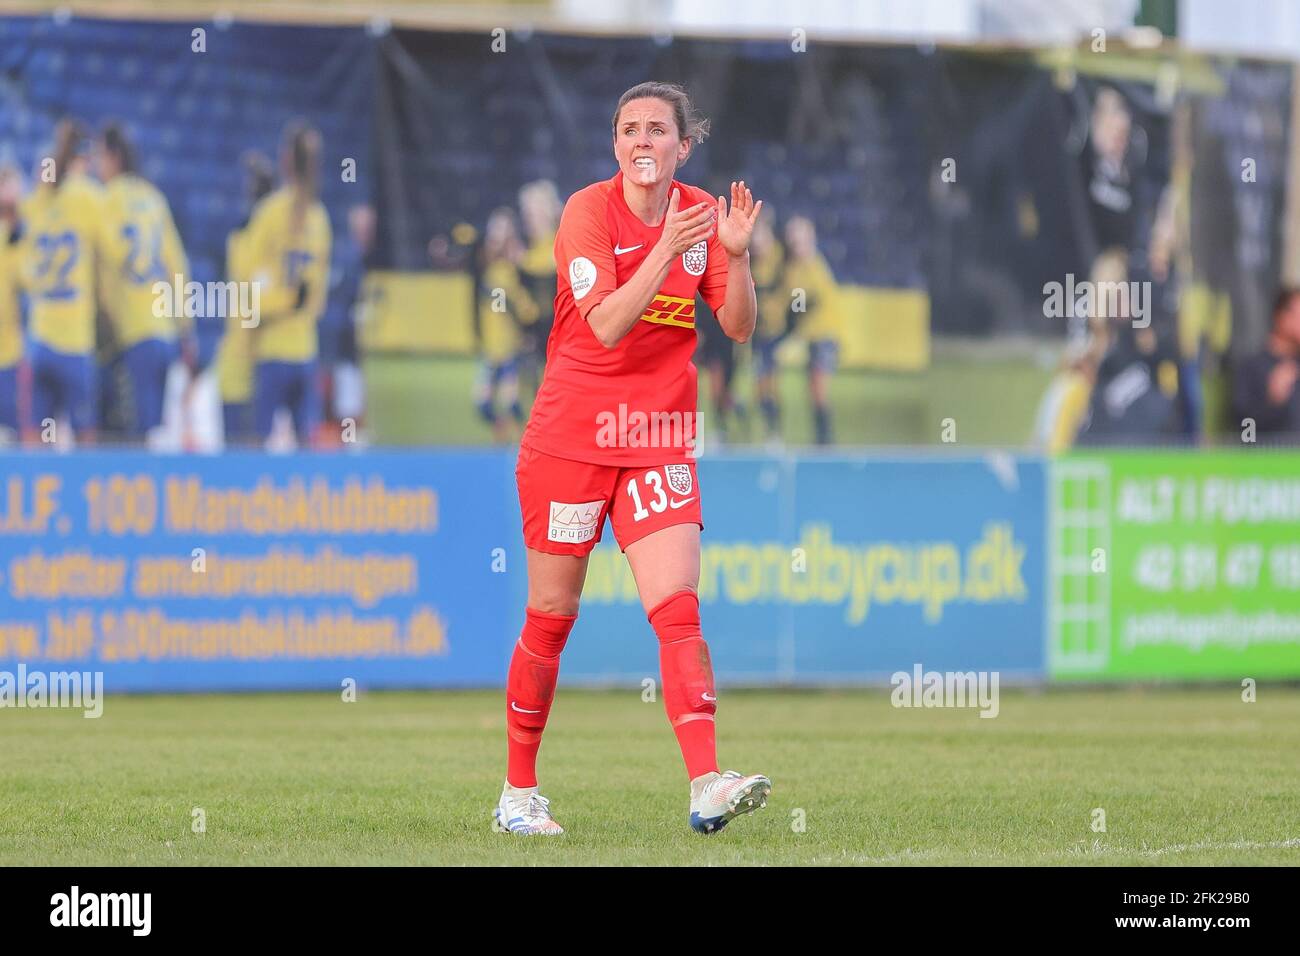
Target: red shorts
564,503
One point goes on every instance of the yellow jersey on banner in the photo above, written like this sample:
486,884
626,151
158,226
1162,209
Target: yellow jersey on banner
144,248
506,306
285,250
539,258
65,240
821,319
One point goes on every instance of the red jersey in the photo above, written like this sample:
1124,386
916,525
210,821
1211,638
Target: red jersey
633,404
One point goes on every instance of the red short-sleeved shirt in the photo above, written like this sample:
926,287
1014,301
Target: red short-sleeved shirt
633,404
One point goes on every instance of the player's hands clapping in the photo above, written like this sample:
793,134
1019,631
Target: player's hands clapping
683,228
736,225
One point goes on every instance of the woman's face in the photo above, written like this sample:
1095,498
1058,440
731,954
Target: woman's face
538,204
1111,126
800,238
647,143
501,229
500,232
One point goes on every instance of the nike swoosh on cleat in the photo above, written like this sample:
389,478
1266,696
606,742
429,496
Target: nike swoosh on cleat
619,250
514,706
680,504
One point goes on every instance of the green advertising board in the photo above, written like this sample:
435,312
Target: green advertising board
1174,565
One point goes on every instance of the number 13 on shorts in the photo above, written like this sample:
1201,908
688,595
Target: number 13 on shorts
564,503
658,491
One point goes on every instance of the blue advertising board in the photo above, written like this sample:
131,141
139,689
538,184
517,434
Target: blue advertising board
840,570
248,571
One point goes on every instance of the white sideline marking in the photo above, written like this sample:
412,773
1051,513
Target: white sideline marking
1096,849
1106,849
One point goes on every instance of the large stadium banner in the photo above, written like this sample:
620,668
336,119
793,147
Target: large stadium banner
823,570
407,570
250,571
1175,566
392,569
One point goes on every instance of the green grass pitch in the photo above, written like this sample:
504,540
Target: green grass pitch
1184,777
994,403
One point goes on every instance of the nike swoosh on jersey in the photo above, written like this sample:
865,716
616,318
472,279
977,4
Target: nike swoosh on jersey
680,504
619,250
709,697
514,706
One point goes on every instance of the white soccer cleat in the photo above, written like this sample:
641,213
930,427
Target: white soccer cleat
527,814
726,797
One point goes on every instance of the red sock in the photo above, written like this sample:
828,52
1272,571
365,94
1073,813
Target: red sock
530,687
688,679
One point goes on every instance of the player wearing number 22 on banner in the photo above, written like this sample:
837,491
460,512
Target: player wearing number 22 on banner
612,434
66,240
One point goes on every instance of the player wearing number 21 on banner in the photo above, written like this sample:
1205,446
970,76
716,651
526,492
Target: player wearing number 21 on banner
613,433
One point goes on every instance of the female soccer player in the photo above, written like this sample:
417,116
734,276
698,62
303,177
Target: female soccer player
505,308
772,326
539,207
612,434
67,239
806,269
235,354
147,249
289,255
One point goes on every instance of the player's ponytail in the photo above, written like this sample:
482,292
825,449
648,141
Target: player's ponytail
302,155
69,142
259,175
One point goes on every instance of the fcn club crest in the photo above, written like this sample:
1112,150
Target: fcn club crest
696,258
679,479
